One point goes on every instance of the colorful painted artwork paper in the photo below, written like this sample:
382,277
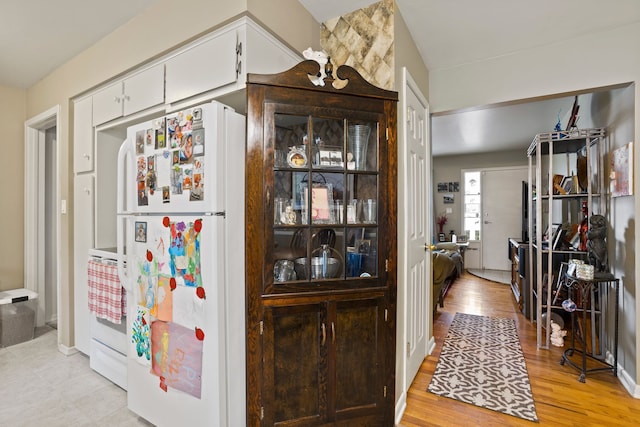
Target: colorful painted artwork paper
141,337
621,175
184,252
177,357
164,299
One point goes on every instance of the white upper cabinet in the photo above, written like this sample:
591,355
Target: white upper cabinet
82,136
218,64
144,90
205,66
262,53
136,93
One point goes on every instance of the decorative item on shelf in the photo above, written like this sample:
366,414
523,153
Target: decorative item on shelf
584,271
581,167
289,216
583,228
571,268
297,157
573,119
283,271
596,244
569,305
358,141
441,220
558,126
557,184
567,185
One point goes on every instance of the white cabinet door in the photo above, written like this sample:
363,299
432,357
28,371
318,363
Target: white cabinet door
262,53
82,136
144,90
203,67
107,104
83,230
136,93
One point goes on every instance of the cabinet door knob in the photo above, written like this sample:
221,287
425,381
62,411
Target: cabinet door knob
323,330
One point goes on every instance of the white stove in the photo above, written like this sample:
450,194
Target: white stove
108,354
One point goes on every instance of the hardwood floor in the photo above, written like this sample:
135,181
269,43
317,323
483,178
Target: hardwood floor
560,399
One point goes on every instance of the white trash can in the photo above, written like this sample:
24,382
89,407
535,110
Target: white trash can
17,316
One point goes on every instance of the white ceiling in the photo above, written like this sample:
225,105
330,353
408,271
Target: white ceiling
37,36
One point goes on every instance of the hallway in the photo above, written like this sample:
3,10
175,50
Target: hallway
560,399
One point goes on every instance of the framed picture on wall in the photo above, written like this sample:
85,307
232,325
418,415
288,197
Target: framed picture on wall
442,237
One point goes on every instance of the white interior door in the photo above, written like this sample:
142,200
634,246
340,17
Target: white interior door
501,214
417,172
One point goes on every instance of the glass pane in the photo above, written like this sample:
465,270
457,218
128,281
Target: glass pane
327,143
362,146
289,244
362,252
472,205
362,199
291,148
472,183
284,212
324,246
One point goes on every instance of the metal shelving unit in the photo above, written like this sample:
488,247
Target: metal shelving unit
556,153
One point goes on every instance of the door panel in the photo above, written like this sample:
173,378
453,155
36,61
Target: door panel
107,104
417,235
294,388
83,233
501,214
358,365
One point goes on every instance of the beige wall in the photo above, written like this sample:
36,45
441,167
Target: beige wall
407,55
13,110
449,169
138,41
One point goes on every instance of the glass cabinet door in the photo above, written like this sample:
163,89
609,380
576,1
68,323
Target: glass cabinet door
325,201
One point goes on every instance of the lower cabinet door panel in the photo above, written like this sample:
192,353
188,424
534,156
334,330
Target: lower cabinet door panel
294,363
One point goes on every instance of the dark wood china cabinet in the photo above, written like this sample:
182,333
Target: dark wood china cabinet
321,249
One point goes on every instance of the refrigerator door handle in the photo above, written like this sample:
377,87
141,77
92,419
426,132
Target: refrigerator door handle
121,217
122,169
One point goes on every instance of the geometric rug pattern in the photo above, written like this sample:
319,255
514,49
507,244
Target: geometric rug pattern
481,363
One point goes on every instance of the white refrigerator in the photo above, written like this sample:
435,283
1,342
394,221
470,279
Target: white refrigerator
181,224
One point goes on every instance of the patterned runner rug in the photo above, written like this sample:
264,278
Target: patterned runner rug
482,363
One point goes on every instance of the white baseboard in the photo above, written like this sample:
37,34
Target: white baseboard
67,351
628,383
401,406
431,345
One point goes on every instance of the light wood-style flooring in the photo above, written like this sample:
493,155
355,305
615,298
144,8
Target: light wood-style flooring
560,399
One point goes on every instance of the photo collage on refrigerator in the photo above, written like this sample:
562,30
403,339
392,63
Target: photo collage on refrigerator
170,158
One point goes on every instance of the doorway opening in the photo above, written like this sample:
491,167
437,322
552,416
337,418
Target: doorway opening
42,208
